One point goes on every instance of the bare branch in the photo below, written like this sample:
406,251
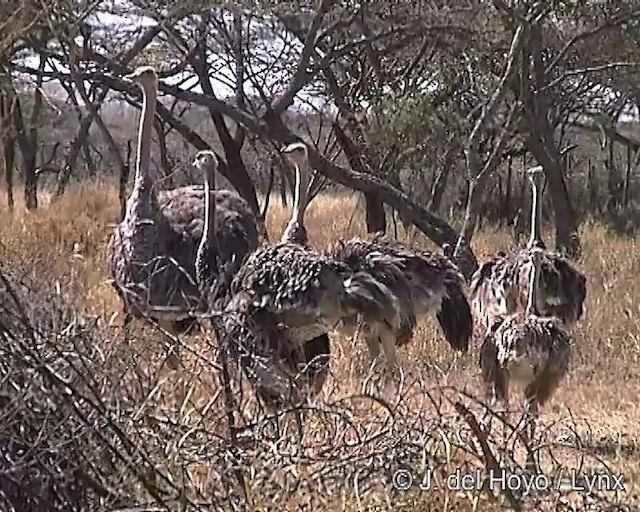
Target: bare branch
608,23
473,163
592,69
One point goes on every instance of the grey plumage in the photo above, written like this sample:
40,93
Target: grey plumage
421,281
151,254
305,294
367,257
500,286
228,233
184,209
527,349
437,286
255,340
305,286
287,297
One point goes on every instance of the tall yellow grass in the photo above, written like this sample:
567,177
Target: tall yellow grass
64,243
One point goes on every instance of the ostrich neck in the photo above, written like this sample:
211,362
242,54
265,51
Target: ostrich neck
206,256
534,278
143,179
300,196
209,211
536,239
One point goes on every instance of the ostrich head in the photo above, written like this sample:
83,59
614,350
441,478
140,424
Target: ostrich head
144,76
298,154
206,161
535,175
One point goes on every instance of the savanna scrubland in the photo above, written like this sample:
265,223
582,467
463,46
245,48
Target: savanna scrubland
424,117
360,430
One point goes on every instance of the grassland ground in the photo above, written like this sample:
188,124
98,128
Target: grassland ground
593,418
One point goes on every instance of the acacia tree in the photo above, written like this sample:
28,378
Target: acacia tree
562,81
402,91
19,20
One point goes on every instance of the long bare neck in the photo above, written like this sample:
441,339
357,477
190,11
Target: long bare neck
536,215
300,194
208,235
143,178
206,262
534,280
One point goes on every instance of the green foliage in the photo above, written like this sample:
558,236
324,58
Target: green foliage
410,126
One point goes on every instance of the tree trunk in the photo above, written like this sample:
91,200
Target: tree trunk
593,190
268,191
567,240
124,177
74,151
167,177
28,152
7,105
474,200
237,172
374,208
283,189
88,159
614,181
30,181
542,144
375,214
627,177
8,158
521,218
507,210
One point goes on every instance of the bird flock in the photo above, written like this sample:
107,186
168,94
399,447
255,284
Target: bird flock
197,250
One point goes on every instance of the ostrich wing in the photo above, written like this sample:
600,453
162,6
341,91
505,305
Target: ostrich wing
366,256
500,287
436,285
291,281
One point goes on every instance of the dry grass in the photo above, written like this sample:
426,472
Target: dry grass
62,246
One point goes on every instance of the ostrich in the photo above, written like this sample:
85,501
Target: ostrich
420,281
214,281
229,233
303,294
500,286
285,298
266,329
317,351
526,349
423,283
151,254
359,258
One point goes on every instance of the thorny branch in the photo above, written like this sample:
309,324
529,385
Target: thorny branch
101,424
